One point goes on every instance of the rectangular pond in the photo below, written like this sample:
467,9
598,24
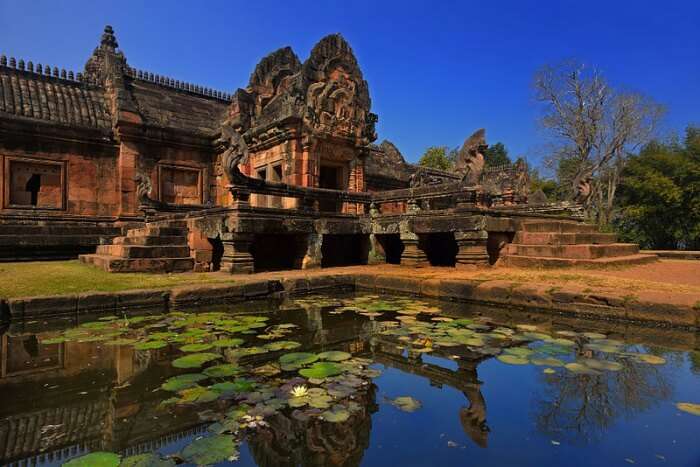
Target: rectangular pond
346,380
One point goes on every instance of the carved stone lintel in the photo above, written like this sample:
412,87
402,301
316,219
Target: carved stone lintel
471,248
413,254
237,258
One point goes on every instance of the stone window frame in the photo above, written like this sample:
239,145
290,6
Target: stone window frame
7,176
200,179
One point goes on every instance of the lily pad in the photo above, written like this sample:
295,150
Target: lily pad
651,359
199,347
210,450
406,403
121,341
282,345
180,382
580,368
195,360
512,359
335,415
94,459
197,395
150,345
222,371
549,371
334,356
693,409
226,343
147,460
53,340
295,360
546,361
321,370
602,364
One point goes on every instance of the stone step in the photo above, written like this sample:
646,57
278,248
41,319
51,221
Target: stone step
54,240
157,265
587,251
554,226
547,262
156,231
140,251
169,240
553,238
57,229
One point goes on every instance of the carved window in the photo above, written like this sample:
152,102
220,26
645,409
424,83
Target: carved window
180,185
34,184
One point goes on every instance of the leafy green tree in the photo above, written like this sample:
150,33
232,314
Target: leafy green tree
549,186
435,157
495,155
660,195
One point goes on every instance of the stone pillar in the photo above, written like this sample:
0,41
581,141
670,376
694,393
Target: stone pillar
471,248
240,197
376,253
413,254
237,258
313,256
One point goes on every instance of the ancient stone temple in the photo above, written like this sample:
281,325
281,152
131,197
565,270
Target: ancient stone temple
141,172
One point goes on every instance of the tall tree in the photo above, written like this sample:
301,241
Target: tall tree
594,128
495,155
435,157
660,195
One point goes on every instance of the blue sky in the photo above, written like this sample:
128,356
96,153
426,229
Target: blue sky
437,70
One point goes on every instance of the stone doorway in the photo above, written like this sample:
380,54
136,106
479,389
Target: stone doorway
344,250
393,247
330,177
440,248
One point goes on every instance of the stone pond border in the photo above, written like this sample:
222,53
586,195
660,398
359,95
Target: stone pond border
502,294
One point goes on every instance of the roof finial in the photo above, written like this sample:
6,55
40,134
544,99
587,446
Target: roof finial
108,40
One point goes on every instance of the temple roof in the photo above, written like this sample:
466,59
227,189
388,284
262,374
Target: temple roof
26,92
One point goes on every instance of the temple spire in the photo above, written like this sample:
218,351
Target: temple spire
108,40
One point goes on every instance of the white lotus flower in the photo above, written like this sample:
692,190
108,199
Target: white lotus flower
299,391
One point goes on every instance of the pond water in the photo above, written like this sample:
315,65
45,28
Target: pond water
348,379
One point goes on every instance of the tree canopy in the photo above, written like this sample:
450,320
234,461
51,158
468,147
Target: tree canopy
495,155
435,157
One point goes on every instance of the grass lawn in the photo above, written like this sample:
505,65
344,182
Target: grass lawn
67,277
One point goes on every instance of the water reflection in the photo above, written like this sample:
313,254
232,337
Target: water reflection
72,397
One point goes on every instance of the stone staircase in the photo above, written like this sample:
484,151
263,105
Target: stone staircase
153,248
555,243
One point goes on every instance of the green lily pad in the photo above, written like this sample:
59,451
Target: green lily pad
225,343
53,340
580,368
197,395
650,359
602,364
334,356
336,415
180,382
282,345
546,361
95,459
512,359
199,347
195,360
519,351
150,345
210,450
222,371
295,360
549,371
406,403
693,409
320,370
147,460
121,341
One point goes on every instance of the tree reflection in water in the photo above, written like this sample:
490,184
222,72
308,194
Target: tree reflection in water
579,408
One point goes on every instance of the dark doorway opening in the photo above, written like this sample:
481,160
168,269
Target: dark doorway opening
440,248
393,247
217,253
344,250
276,252
329,177
495,244
33,187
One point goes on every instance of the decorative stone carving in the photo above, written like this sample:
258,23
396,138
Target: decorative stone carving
582,188
470,160
234,151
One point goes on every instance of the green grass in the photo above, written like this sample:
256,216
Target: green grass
68,277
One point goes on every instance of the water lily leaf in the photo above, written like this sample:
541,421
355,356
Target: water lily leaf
53,340
406,403
546,361
195,360
527,327
688,407
512,359
180,382
150,345
336,415
334,356
210,450
562,341
222,371
226,343
199,347
295,360
519,351
94,459
320,370
121,341
548,371
602,364
147,460
594,335
282,345
580,368
197,395
651,359
95,325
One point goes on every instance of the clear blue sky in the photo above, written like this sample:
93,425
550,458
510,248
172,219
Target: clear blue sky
436,70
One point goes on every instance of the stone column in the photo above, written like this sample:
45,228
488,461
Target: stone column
313,256
471,248
237,258
413,254
376,253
